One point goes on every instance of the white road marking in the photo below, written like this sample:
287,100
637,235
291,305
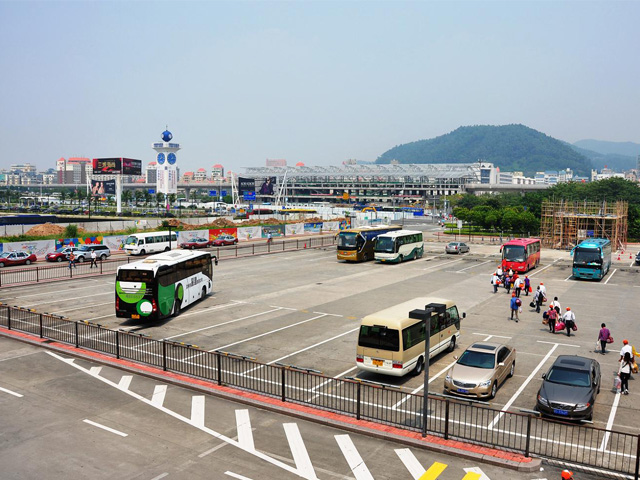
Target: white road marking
197,410
95,370
313,346
235,475
522,387
125,382
159,392
299,451
181,418
84,307
356,464
162,475
543,268
411,462
103,316
612,416
268,333
489,336
68,299
477,470
40,293
473,266
243,425
222,324
607,280
442,264
10,392
568,277
103,427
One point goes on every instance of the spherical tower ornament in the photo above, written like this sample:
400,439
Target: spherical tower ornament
166,136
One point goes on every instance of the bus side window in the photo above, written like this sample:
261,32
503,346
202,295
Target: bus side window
413,335
141,241
435,326
452,313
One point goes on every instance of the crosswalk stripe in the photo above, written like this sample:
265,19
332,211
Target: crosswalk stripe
475,473
125,381
243,424
434,471
357,465
411,462
299,451
95,370
159,393
197,410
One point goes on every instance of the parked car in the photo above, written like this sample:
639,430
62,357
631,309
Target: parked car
224,239
84,252
456,247
198,242
60,254
481,370
17,258
638,259
569,388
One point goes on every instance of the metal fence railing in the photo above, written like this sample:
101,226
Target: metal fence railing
608,450
61,271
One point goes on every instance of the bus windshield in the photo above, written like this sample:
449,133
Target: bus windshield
347,240
374,336
385,244
513,253
132,240
586,257
135,276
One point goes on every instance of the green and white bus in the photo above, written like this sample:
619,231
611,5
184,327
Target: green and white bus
394,247
161,285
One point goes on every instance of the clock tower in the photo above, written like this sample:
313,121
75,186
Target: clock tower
167,172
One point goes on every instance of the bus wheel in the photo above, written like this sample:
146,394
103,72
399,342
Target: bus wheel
365,257
204,292
419,366
176,308
452,344
143,251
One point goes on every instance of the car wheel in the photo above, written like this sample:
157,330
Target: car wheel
513,369
1,265
80,259
419,366
143,251
166,249
193,247
103,257
59,259
452,344
494,390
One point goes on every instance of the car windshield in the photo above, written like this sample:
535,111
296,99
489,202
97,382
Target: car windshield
513,253
84,248
477,359
5,255
384,245
568,376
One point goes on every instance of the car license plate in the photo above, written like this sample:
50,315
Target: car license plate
560,412
135,316
377,363
462,390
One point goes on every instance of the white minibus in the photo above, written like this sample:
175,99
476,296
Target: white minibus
394,247
150,242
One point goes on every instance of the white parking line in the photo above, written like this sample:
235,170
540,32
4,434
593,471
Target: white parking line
356,464
117,432
10,392
568,277
68,299
473,266
614,271
612,416
40,293
313,346
543,268
443,264
84,307
299,451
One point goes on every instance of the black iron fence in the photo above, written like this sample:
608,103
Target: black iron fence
61,270
608,450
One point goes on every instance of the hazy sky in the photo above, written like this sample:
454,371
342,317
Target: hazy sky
312,81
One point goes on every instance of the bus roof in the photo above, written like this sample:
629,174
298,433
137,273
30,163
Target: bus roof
399,233
150,234
522,241
153,262
373,228
594,243
397,317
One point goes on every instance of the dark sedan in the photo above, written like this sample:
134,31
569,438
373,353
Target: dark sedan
569,388
198,242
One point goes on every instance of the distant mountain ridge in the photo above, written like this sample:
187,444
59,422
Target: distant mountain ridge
628,149
511,147
614,161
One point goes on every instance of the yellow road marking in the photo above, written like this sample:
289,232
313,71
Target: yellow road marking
434,471
471,476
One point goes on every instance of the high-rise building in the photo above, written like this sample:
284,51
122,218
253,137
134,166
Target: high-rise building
217,172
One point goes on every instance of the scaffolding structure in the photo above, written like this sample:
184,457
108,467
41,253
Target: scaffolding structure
564,224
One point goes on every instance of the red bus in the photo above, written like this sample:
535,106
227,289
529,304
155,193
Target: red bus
521,254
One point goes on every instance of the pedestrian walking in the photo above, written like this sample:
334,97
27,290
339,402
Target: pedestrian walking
556,304
527,285
94,257
552,316
626,348
543,289
269,238
537,297
507,283
603,338
72,261
495,281
624,372
514,304
517,285
569,319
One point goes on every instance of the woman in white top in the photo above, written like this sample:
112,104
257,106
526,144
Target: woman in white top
624,371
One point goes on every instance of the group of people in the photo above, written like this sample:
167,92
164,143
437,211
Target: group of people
511,281
556,320
627,359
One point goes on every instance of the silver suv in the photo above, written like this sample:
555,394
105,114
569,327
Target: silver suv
84,252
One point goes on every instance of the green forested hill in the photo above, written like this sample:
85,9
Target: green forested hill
510,147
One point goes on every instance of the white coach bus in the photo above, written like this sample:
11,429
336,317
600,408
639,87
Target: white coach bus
394,247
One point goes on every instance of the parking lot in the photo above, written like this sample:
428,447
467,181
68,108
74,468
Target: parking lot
303,308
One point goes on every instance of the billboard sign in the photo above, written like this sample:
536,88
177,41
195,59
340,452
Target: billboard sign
249,195
100,187
107,166
267,186
131,166
167,179
246,185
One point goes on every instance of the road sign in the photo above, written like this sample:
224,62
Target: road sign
213,193
152,191
223,193
249,195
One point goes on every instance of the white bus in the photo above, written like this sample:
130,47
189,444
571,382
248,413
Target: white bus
392,341
394,247
161,285
150,242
